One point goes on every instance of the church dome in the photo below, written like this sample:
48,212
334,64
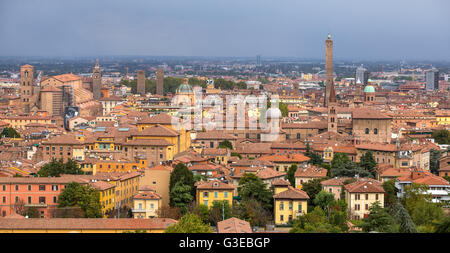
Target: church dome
369,89
184,88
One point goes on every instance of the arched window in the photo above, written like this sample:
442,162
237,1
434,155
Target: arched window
375,131
367,130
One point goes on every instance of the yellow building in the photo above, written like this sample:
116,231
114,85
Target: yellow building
361,194
82,225
19,122
146,203
126,185
107,194
119,166
215,190
289,203
443,118
160,127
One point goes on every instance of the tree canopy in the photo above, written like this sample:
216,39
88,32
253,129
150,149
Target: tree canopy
189,223
252,187
441,136
10,132
57,167
82,196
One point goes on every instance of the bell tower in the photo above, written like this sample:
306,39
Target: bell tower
96,81
26,86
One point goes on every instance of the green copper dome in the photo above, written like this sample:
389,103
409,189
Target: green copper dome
369,88
184,88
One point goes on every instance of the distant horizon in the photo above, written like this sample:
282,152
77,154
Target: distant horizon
93,57
382,30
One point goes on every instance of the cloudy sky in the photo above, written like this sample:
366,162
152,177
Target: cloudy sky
361,29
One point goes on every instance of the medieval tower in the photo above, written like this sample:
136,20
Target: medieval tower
141,82
328,68
160,82
96,81
26,87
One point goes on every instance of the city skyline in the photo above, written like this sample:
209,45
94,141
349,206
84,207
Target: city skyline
406,30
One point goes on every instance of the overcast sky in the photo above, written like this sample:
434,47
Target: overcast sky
361,29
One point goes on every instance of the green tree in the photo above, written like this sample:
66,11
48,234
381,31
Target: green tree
413,195
189,223
252,187
315,159
253,212
379,220
226,144
182,174
324,199
72,167
368,163
350,169
180,196
291,174
390,196
441,136
402,217
314,222
82,196
339,159
427,213
312,188
435,155
202,211
10,132
56,168
443,226
219,211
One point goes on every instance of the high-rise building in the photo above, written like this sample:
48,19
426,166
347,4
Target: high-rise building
432,79
141,82
160,82
26,86
258,60
362,75
328,68
97,81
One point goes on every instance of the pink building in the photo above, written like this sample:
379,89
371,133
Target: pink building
38,192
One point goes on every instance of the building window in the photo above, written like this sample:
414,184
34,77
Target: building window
54,187
298,136
281,206
376,196
300,207
375,131
281,217
290,205
54,199
41,187
215,194
29,187
41,200
205,194
16,187
225,194
4,199
367,130
29,199
367,196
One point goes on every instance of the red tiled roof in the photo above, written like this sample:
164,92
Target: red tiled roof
364,185
86,223
215,184
291,193
233,225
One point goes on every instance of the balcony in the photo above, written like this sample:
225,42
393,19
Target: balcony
40,205
138,210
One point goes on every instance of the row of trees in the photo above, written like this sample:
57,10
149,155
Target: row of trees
55,168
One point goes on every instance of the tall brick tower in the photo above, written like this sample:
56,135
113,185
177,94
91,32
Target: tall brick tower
141,82
26,86
97,81
332,114
160,82
328,68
